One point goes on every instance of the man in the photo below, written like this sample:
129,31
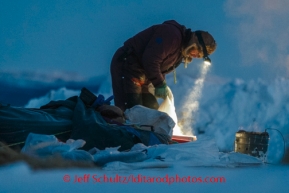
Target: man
144,60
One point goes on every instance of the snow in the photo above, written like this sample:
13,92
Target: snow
59,94
268,178
224,108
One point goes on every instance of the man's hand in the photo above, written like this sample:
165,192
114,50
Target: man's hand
161,91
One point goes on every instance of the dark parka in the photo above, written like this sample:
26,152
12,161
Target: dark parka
146,58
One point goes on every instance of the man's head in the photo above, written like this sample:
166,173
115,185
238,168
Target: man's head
194,48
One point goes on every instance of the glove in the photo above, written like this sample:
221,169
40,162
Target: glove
162,91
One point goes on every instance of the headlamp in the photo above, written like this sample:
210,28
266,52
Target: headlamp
207,60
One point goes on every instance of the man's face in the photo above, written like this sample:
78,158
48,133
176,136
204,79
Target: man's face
194,53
